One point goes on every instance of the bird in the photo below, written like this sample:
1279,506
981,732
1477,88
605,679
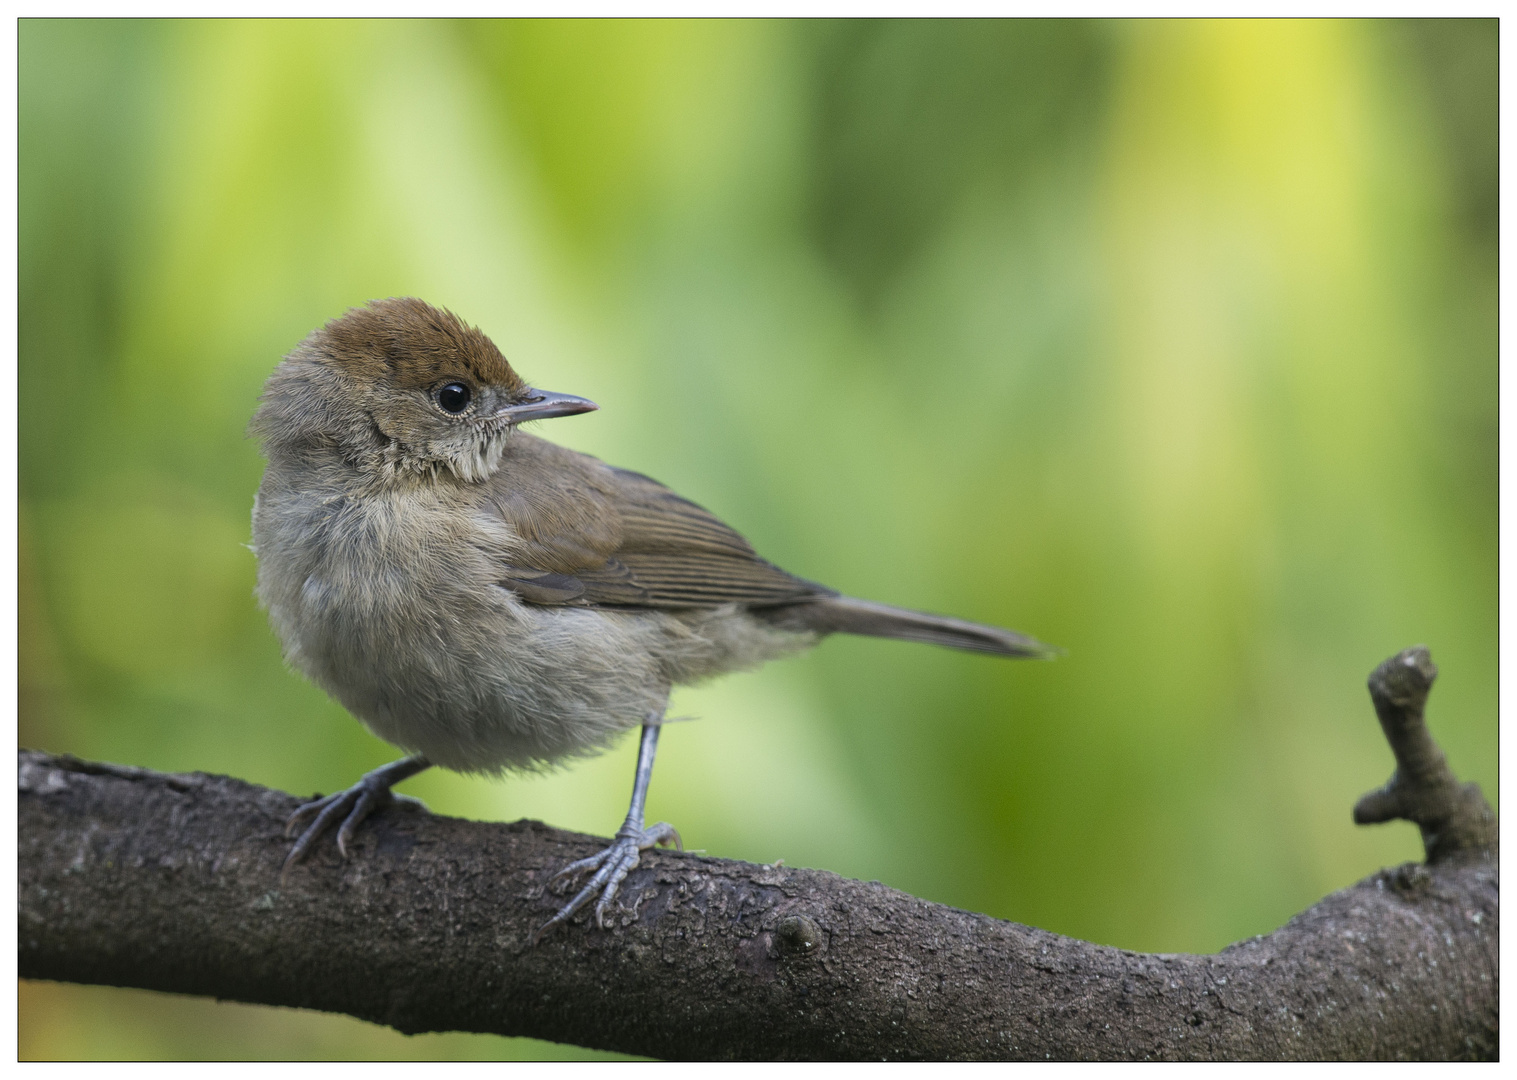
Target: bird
489,601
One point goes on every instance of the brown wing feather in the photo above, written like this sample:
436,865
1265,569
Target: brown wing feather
596,535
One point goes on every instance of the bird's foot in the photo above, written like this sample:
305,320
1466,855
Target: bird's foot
351,806
611,866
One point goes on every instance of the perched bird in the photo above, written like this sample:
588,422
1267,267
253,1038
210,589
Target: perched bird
486,600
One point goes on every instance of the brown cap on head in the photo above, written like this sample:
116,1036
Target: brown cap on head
413,344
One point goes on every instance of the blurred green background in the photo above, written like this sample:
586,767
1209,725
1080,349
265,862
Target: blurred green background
1171,343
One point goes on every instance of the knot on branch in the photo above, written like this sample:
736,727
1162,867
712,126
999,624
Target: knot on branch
1455,819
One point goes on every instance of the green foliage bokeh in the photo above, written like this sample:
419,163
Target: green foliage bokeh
1170,343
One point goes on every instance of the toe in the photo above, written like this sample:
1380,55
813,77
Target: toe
579,866
624,866
306,811
662,834
614,864
330,809
355,817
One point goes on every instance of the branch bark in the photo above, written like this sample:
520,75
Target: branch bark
171,882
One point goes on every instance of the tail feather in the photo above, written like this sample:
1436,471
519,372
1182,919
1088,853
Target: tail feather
845,615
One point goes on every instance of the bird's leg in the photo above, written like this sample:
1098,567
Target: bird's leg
615,862
351,806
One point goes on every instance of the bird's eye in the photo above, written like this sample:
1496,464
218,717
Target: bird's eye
454,397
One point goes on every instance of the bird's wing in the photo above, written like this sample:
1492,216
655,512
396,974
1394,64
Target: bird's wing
594,535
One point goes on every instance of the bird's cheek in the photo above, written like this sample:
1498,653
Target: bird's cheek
418,434
394,423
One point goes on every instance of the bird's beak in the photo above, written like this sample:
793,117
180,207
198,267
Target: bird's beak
544,405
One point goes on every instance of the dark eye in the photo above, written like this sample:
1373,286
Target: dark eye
454,397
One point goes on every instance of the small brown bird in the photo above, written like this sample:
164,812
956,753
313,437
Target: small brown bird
486,600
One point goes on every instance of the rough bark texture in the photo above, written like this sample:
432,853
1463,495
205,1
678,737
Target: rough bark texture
134,878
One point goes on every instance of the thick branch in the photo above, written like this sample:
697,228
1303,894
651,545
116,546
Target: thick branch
134,878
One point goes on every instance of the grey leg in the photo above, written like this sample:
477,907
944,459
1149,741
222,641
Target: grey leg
352,805
613,864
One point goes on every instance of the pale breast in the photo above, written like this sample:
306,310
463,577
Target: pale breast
388,602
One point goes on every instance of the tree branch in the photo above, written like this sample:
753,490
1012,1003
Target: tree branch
134,878
1455,819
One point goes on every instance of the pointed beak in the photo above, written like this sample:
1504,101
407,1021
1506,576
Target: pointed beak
544,405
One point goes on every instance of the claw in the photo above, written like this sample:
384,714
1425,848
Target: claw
353,805
582,864
365,805
611,866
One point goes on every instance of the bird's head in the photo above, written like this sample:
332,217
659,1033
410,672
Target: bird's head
402,389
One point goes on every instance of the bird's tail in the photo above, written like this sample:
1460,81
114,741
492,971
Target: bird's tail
845,615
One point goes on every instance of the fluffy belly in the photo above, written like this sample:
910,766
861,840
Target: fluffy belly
484,687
